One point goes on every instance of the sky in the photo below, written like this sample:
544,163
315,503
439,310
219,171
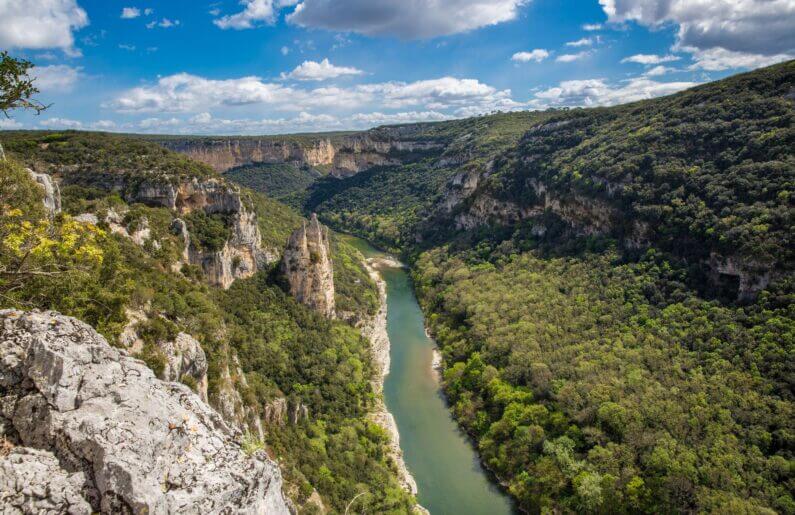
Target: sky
281,66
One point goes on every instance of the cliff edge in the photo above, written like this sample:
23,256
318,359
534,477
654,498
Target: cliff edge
86,428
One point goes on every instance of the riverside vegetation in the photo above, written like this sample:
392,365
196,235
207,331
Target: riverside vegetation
283,349
611,290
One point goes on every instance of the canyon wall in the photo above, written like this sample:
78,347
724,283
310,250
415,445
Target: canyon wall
341,155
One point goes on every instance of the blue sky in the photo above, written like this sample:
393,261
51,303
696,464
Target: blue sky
276,66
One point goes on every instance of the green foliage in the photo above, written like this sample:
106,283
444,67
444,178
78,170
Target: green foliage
251,444
594,386
284,348
706,171
154,358
208,232
35,247
355,292
16,86
595,376
387,204
275,180
93,156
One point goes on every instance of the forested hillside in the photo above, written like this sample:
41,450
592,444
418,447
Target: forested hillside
110,262
611,290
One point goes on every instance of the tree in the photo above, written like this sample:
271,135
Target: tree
16,88
16,85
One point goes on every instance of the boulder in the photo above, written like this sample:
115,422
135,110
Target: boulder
142,445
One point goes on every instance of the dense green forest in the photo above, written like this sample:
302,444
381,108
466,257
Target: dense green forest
386,204
284,349
616,316
275,180
592,348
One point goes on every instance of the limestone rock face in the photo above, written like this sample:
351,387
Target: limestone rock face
279,411
345,155
52,194
308,267
185,357
230,403
32,481
126,441
241,256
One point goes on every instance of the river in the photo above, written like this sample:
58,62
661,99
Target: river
450,479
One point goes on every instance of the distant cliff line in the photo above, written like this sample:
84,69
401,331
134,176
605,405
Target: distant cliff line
340,154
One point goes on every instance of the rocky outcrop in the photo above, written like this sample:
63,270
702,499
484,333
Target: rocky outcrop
750,278
186,361
229,402
139,234
124,441
242,254
240,257
279,411
343,155
32,481
308,268
52,194
376,332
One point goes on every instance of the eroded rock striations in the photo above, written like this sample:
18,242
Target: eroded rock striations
52,194
242,254
343,155
308,268
92,429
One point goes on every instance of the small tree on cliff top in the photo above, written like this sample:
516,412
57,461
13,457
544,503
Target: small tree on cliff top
16,86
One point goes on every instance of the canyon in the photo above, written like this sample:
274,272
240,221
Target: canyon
340,155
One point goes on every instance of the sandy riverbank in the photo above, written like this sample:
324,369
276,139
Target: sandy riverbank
376,332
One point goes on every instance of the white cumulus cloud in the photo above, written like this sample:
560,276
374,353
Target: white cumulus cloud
378,118
40,24
129,13
581,42
569,58
61,123
717,59
537,55
184,92
57,77
722,33
649,59
658,70
323,70
254,13
597,92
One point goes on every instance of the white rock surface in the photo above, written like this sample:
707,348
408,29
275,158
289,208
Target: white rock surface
308,267
32,481
52,194
143,445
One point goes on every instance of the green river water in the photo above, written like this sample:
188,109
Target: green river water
441,458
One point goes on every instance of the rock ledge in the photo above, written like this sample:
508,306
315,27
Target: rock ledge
96,425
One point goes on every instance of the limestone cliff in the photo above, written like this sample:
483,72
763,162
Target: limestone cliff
91,429
308,268
229,402
52,194
342,155
470,201
242,254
